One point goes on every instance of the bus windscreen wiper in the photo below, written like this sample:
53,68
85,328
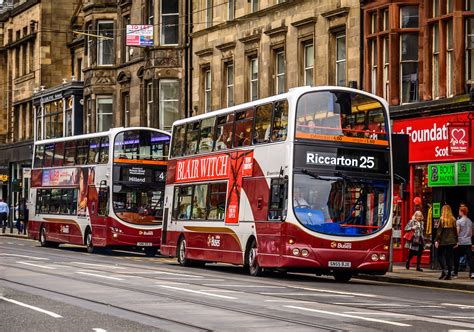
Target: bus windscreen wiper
321,177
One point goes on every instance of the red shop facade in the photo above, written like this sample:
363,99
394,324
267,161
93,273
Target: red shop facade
441,158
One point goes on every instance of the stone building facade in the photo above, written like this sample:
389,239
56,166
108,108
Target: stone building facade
124,85
35,35
245,50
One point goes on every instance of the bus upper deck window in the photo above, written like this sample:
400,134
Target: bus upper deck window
82,149
59,154
192,137
224,132
39,151
179,137
263,120
94,148
70,153
206,144
48,155
104,150
243,128
280,121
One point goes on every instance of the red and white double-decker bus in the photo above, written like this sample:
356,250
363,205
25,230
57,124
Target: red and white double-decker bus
100,190
301,181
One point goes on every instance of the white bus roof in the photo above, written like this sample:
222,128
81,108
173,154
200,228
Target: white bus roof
111,132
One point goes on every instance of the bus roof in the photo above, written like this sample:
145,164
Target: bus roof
293,92
111,132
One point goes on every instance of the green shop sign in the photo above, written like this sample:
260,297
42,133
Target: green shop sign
450,174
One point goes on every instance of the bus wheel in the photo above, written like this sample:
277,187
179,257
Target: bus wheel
254,269
182,260
90,247
44,242
342,276
151,252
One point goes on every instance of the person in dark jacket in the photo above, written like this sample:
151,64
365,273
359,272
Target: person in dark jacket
416,244
446,239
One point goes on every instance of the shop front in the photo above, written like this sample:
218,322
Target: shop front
441,160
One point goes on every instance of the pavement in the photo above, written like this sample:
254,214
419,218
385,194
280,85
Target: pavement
398,275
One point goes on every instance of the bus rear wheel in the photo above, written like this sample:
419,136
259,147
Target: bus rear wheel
182,260
254,269
342,276
44,242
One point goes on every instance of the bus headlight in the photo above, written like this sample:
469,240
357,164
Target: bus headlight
375,257
296,252
383,257
304,252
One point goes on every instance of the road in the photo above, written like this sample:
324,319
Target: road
44,289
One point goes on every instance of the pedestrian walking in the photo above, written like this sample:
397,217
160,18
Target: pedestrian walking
24,216
4,211
16,215
414,240
464,247
446,239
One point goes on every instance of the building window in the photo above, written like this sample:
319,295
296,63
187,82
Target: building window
149,102
280,72
24,59
308,64
169,103
386,18
170,22
449,6
17,62
373,66
105,45
341,59
125,49
230,10
386,63
409,17
104,113
435,8
469,5
373,23
254,5
126,109
207,90
449,59
253,81
229,78
31,47
435,61
208,13
409,67
79,69
470,49
150,12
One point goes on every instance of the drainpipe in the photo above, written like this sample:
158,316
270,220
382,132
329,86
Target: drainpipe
361,55
188,60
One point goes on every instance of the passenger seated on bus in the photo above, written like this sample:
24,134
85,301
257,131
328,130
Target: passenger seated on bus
185,211
223,141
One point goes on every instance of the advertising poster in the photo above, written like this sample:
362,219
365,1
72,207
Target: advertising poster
140,35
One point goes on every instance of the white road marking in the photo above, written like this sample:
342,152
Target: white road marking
36,265
50,313
287,301
219,291
349,316
462,306
199,292
373,304
307,294
454,317
24,256
99,276
98,330
245,286
376,313
333,292
99,265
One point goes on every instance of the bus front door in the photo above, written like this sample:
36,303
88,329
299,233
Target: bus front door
98,198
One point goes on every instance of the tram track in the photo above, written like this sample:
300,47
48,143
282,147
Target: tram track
158,294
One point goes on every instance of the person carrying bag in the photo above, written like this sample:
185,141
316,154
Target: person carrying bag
446,239
414,241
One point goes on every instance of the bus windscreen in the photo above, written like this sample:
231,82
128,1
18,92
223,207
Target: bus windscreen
341,116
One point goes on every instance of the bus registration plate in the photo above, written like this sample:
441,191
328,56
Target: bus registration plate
144,244
339,264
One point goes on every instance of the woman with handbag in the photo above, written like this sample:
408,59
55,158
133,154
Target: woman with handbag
446,239
414,239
